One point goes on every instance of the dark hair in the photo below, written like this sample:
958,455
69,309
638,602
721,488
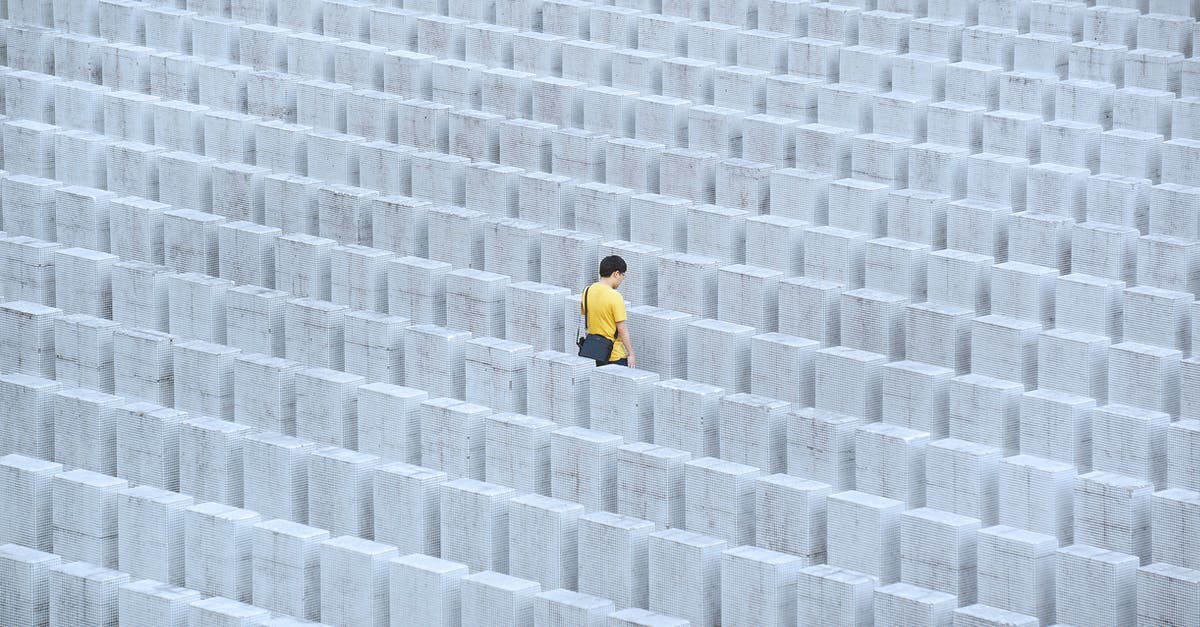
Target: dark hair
611,264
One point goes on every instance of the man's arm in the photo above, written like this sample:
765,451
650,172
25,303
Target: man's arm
623,335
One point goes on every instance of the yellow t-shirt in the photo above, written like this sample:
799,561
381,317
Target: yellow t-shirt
605,308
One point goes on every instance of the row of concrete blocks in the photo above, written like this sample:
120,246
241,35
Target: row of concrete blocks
1033,149
830,28
294,574
491,65
1019,369
993,184
820,143
941,180
946,560
1113,212
1114,269
187,180
1130,140
575,19
916,63
1055,425
373,345
893,459
65,592
740,182
945,166
471,146
1167,256
949,287
1108,23
350,20
917,403
954,330
222,381
918,75
959,287
78,591
847,106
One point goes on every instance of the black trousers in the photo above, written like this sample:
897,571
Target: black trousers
620,362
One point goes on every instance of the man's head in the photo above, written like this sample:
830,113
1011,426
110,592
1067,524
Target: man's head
612,270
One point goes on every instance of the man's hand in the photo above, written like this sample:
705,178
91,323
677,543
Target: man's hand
623,335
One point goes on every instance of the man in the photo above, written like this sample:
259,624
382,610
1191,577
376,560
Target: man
606,311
